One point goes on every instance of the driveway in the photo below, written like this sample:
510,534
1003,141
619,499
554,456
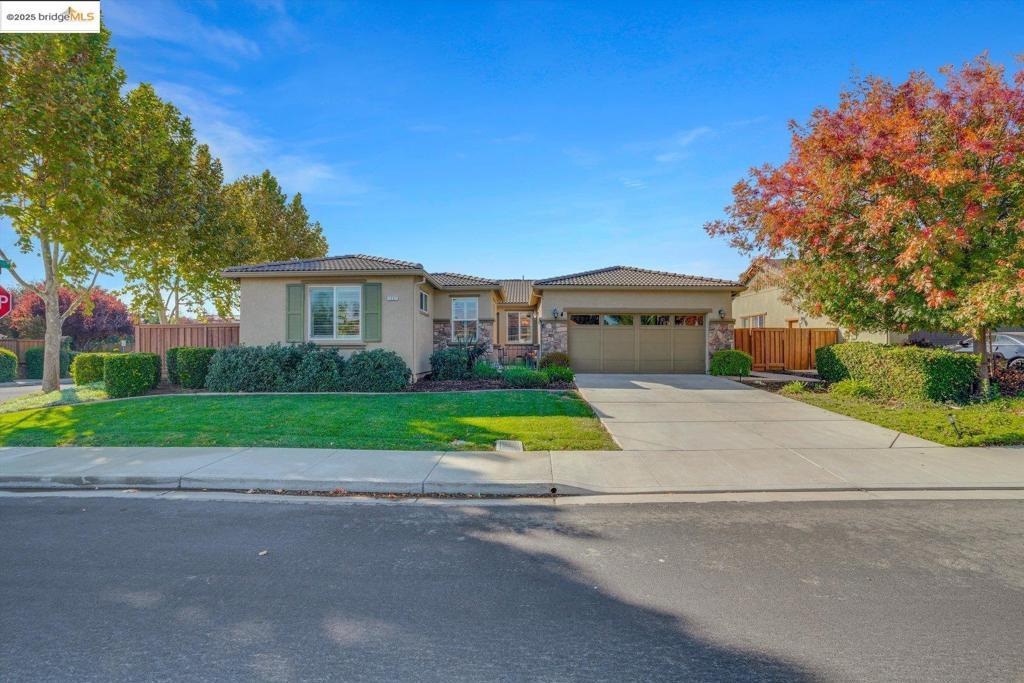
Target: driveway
704,413
24,387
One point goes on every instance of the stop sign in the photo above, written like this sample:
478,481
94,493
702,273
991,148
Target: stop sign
6,302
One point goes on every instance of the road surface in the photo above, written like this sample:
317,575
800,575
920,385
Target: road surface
106,589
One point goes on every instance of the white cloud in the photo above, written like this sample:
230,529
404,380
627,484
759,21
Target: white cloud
633,183
242,150
166,22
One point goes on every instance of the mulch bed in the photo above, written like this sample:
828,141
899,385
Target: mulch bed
473,385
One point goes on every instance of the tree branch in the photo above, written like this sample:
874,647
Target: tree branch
17,277
81,297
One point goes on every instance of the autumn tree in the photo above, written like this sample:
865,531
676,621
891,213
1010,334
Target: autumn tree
903,206
60,123
99,317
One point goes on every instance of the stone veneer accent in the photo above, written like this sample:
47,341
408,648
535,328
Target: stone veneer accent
443,334
554,336
720,335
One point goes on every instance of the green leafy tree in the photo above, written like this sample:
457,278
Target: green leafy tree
60,123
905,205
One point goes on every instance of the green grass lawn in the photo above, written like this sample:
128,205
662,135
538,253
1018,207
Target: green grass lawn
996,423
541,420
65,396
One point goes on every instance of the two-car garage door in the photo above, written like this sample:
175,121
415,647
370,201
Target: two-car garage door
637,342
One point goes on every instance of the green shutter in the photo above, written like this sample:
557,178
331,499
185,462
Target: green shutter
295,325
371,312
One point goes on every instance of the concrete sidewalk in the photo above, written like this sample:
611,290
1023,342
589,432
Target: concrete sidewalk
506,473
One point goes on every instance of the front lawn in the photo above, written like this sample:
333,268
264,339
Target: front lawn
996,423
65,396
456,421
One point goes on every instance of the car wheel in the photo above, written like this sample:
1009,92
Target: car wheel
1017,363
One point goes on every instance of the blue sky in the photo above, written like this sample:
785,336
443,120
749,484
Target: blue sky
526,138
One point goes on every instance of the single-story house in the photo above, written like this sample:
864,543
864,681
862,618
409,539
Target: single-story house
761,304
615,319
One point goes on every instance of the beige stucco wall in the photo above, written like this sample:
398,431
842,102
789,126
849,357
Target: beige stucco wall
262,314
423,330
653,301
443,303
768,300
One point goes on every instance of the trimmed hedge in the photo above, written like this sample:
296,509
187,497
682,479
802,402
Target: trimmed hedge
558,373
524,378
172,364
249,369
130,374
8,365
87,368
192,363
732,363
320,370
450,363
554,359
377,370
34,362
901,372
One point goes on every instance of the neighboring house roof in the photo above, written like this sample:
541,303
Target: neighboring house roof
350,262
774,265
517,291
448,280
630,277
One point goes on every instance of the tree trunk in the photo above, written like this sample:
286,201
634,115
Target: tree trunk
51,348
159,298
985,370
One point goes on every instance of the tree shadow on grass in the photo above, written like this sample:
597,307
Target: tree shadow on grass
135,590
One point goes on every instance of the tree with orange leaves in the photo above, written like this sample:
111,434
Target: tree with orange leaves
903,207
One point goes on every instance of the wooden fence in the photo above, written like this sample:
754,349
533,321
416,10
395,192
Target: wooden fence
20,346
159,338
780,348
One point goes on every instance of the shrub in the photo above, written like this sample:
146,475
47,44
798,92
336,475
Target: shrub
793,388
34,362
484,370
524,378
319,370
8,365
377,370
901,372
1009,380
172,364
554,359
731,362
128,374
87,368
853,388
247,369
154,360
558,373
450,363
192,366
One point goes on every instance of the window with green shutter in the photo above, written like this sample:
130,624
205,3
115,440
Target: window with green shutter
295,302
372,311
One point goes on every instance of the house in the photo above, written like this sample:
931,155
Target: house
761,304
616,319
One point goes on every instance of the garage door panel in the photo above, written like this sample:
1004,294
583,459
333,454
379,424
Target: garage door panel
618,349
688,349
656,347
585,348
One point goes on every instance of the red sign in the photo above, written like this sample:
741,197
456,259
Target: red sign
6,302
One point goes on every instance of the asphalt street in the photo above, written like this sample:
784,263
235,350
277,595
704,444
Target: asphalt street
114,589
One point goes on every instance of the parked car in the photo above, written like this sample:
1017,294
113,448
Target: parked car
1006,345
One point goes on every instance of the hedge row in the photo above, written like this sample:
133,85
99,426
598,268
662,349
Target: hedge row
901,372
305,368
87,368
34,362
130,374
8,365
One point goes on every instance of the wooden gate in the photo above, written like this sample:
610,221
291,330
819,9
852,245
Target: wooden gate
781,348
159,338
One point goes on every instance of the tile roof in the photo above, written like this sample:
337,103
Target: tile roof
627,276
460,280
776,266
517,291
356,262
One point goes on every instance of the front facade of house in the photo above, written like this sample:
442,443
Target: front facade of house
617,319
762,304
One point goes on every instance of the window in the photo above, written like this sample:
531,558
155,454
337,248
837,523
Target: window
520,327
754,320
334,313
465,314
585,319
617,320
654,319
689,321
424,302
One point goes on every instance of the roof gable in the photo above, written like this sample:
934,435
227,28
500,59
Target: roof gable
446,280
517,291
629,276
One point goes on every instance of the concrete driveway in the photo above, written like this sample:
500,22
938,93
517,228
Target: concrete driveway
704,413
